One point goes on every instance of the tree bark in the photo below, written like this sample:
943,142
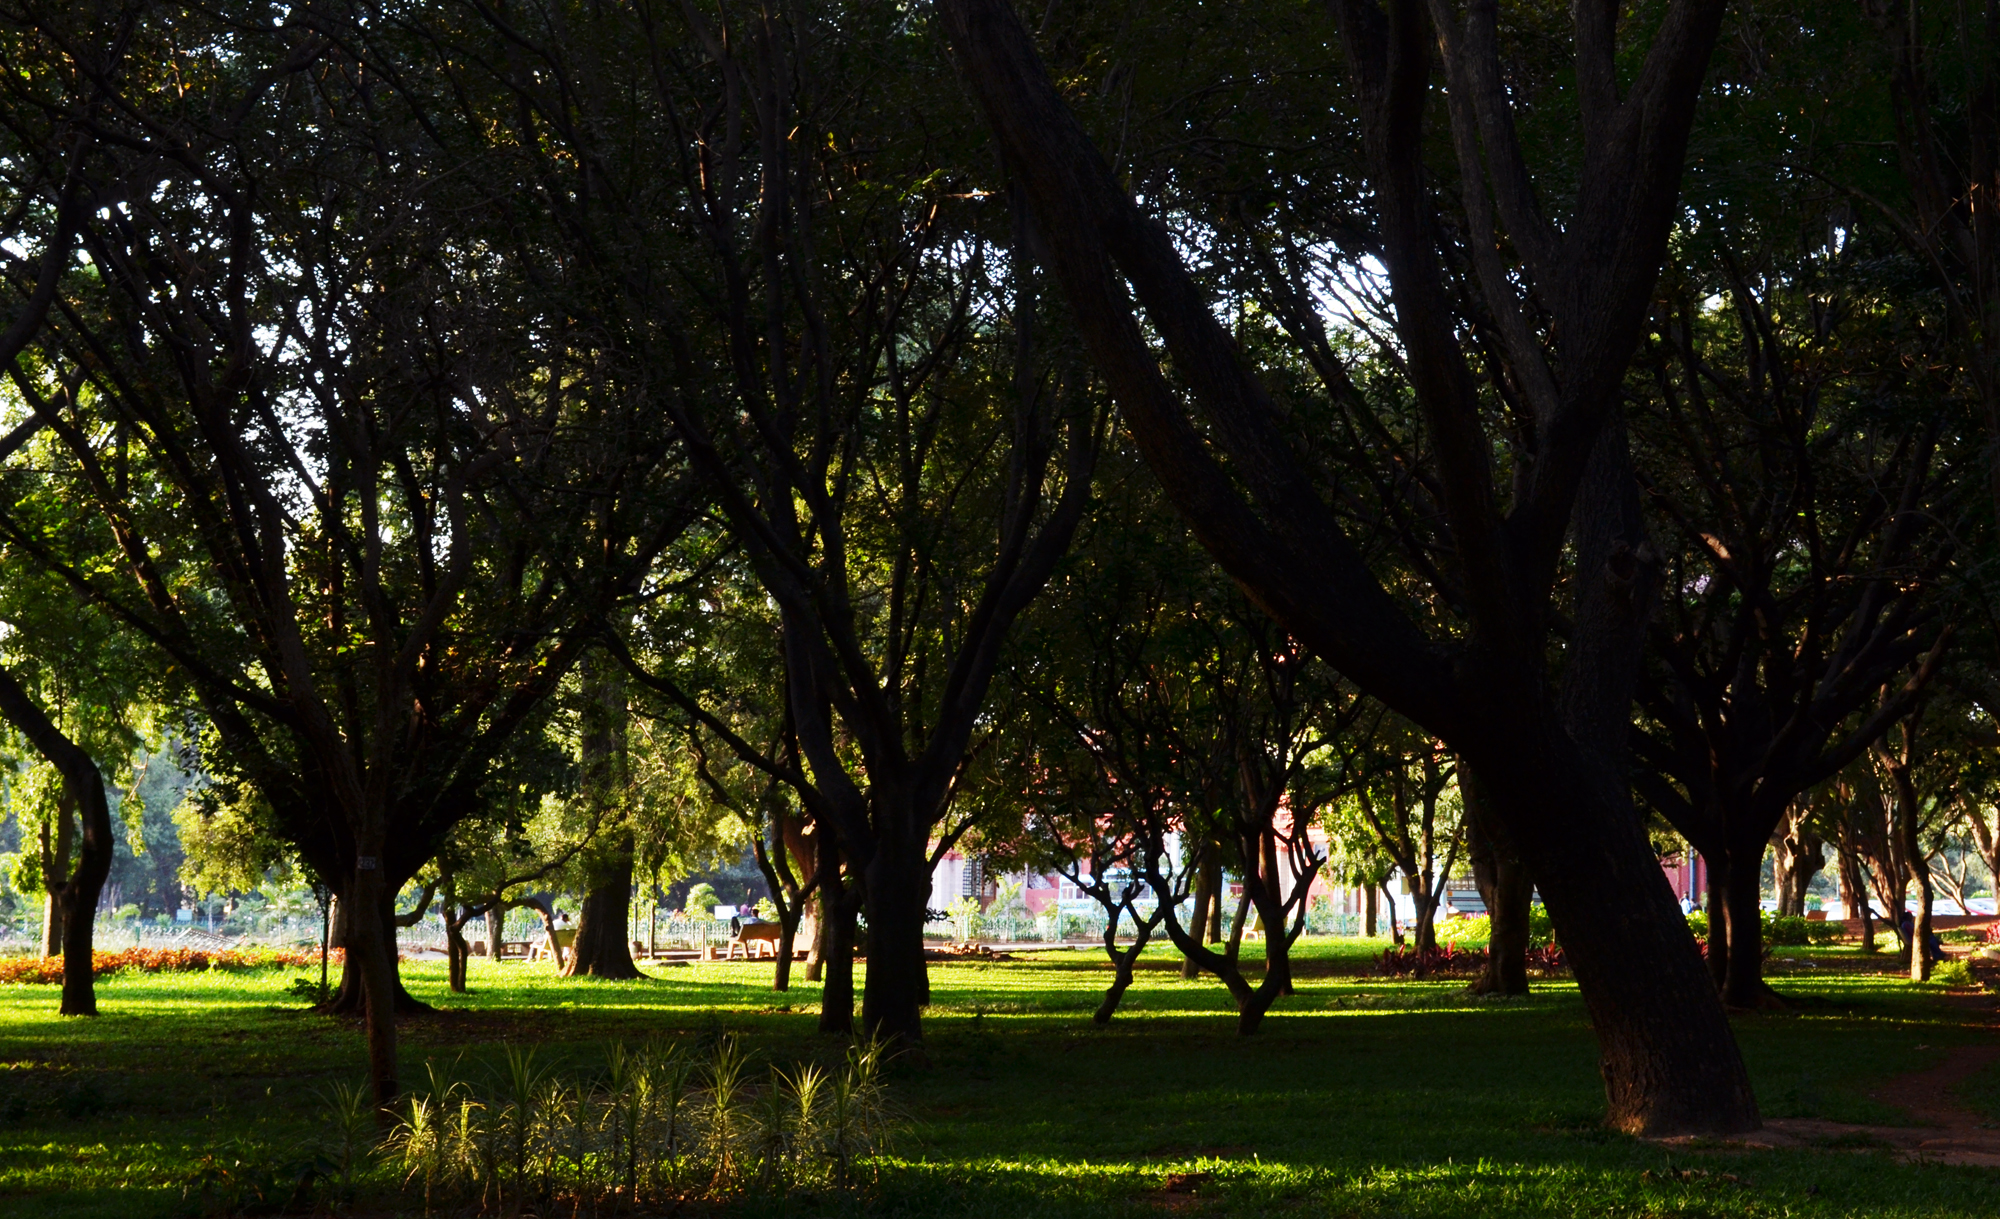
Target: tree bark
350,998
371,950
1369,892
603,945
1508,893
55,868
892,1002
838,906
1908,826
1743,984
72,908
1207,901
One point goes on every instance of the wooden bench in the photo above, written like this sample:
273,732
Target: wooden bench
553,945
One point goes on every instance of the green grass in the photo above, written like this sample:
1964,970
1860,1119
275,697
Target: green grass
1360,1096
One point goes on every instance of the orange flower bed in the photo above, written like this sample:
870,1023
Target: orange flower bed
49,970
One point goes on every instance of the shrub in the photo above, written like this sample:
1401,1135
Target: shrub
1475,930
1791,930
1954,973
658,1128
49,970
1450,961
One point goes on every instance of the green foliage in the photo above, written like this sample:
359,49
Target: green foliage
1955,973
661,1124
701,901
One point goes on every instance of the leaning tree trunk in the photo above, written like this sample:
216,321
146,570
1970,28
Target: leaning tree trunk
603,947
72,910
1669,1061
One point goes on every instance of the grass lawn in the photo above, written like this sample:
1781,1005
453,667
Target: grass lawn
1360,1096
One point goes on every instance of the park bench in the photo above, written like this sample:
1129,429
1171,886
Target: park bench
554,944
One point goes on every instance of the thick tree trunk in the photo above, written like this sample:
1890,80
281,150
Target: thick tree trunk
371,950
80,894
1669,1061
1368,895
1743,982
496,929
897,985
350,998
603,944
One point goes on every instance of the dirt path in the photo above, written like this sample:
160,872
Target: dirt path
1945,1131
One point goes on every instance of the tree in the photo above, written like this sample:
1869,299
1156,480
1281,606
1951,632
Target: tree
848,344
1564,297
1173,705
1802,474
362,484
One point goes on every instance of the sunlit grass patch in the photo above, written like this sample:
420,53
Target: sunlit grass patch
1360,1096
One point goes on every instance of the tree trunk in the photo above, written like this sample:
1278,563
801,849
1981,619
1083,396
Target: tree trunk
1854,892
1800,855
838,907
832,893
71,911
1505,888
1718,918
371,950
496,929
603,944
788,934
1368,895
1207,879
456,949
1919,874
55,871
350,998
1743,982
896,990
1669,1061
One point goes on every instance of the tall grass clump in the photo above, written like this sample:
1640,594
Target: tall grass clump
657,1127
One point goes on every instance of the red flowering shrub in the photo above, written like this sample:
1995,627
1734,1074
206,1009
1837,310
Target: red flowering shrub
1449,961
49,970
